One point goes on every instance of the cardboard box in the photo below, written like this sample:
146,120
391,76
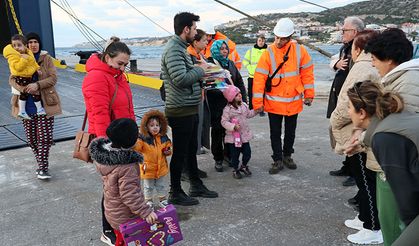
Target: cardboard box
166,231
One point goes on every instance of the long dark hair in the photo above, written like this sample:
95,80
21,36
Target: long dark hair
114,47
374,100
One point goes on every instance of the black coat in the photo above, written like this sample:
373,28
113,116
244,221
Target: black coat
340,78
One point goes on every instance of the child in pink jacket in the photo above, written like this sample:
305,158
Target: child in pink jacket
238,133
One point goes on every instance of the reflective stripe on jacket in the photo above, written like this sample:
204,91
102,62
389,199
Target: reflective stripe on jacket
232,55
251,59
291,84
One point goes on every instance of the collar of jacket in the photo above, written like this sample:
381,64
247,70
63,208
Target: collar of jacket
260,48
366,57
94,63
102,153
180,41
192,51
374,121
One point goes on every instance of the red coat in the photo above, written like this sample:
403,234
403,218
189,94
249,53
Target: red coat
98,89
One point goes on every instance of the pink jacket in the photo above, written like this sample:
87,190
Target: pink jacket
242,113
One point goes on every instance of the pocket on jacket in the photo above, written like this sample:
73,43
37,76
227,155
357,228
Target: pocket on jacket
50,97
299,89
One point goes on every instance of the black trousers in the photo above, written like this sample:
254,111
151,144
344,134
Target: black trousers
250,91
275,125
185,142
365,181
235,154
218,148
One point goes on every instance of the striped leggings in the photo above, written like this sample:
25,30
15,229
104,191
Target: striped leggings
39,134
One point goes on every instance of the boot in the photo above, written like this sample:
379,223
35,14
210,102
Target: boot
201,190
180,198
219,166
276,167
289,162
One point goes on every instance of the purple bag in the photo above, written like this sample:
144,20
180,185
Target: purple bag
166,231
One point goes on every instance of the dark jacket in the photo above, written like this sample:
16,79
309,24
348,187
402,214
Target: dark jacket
339,79
119,169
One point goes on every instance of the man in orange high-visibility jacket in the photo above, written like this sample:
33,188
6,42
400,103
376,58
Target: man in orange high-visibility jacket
212,35
290,87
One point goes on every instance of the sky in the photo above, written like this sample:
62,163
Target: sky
117,18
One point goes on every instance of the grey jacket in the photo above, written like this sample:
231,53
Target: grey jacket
181,79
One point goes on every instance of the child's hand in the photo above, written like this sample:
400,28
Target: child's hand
151,218
237,127
167,151
25,56
39,72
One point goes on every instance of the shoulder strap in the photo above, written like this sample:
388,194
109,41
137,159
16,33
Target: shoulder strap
110,107
285,59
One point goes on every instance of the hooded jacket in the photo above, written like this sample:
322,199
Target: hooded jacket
46,82
98,88
242,113
19,66
152,147
123,196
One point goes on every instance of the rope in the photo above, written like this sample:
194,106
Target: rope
12,9
147,17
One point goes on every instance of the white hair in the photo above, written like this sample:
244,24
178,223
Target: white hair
356,22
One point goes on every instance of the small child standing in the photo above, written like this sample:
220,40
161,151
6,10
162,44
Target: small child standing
118,165
23,66
238,133
155,145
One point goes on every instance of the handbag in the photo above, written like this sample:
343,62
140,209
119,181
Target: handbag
83,139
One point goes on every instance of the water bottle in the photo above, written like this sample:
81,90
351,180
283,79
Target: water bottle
236,134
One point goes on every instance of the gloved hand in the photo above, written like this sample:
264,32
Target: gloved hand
308,101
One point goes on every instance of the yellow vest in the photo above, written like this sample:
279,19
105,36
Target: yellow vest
251,60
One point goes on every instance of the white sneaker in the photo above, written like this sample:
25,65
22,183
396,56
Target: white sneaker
24,116
163,203
355,223
365,236
41,111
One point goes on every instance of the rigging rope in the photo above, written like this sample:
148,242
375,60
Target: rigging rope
323,52
147,17
12,10
82,29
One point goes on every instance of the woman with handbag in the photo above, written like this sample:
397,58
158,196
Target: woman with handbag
107,97
39,128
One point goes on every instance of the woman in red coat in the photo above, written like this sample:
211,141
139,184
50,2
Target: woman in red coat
107,96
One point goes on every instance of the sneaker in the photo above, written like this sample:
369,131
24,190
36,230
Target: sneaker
355,223
163,203
202,191
276,167
41,111
262,114
366,236
245,169
24,116
108,237
237,174
202,174
43,175
289,162
340,172
219,166
349,182
180,198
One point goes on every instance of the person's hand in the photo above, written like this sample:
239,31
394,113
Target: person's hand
342,64
308,101
25,56
354,143
237,127
32,88
203,64
167,151
259,110
39,72
151,218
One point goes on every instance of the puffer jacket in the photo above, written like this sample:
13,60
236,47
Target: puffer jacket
46,82
19,66
152,147
242,113
123,197
340,120
98,89
181,79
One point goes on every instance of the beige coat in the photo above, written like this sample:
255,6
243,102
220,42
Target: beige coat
340,120
47,80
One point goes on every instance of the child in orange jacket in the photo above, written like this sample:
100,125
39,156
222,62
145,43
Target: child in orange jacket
155,146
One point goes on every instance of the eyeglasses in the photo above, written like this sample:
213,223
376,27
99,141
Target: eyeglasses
356,87
347,30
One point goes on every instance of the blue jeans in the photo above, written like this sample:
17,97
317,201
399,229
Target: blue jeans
235,153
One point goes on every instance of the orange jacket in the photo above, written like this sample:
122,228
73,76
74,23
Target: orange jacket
232,55
295,78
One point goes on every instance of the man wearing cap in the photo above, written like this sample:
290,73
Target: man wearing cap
282,94
233,55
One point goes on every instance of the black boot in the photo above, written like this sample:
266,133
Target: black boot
180,198
201,190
